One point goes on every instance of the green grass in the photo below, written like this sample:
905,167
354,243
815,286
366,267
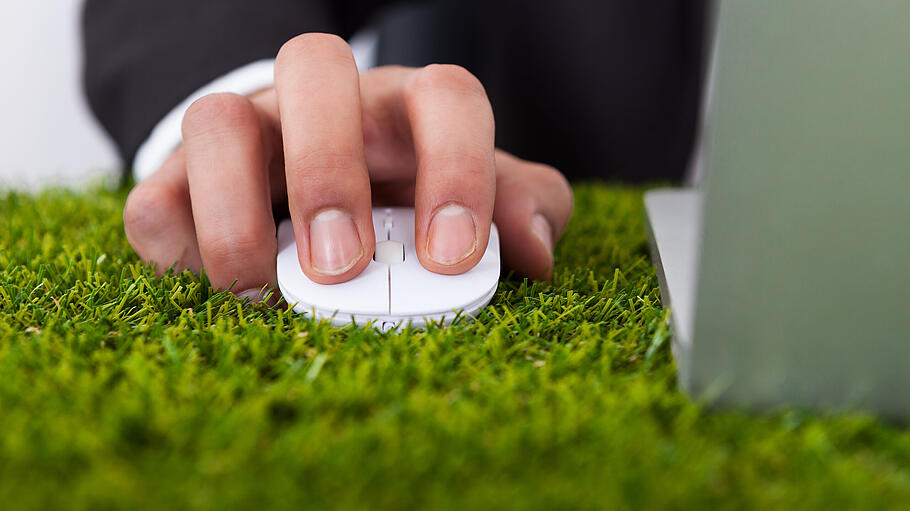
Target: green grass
122,390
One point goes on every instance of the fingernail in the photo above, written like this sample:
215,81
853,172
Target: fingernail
452,235
334,243
540,228
255,295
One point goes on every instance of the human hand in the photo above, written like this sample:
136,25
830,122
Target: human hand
325,144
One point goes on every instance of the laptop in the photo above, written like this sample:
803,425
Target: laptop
787,267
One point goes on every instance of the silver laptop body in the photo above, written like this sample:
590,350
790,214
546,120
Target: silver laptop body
787,270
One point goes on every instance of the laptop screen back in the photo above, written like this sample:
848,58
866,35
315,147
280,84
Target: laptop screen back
804,287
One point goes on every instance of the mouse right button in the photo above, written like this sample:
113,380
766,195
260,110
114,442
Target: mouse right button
415,291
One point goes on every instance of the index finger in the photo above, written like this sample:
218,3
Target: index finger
328,187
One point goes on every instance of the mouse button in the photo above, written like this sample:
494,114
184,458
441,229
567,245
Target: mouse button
493,243
490,260
403,227
378,224
367,293
287,264
416,291
389,252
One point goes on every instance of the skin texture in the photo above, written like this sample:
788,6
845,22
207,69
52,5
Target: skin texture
326,144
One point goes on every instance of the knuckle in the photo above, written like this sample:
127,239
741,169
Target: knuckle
230,257
448,77
557,184
321,161
560,183
464,166
218,112
313,45
147,209
543,172
552,175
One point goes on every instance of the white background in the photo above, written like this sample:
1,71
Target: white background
47,133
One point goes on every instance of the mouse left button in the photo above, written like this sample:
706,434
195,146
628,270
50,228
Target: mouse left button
368,293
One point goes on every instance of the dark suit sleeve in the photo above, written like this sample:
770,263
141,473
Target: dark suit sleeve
143,57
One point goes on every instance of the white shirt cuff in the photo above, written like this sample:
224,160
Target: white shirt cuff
167,135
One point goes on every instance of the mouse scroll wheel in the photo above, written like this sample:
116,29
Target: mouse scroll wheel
389,252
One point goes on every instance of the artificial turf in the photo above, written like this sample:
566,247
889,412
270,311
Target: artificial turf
122,390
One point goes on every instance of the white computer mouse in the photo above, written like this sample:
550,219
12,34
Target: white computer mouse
394,289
